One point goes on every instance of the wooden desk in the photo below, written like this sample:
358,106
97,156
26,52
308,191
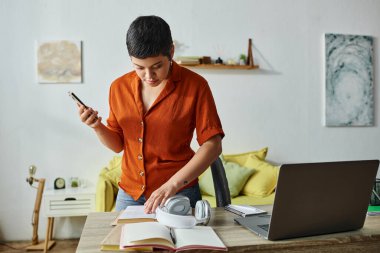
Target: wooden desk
239,239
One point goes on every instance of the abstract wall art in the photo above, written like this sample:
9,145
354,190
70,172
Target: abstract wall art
349,80
59,61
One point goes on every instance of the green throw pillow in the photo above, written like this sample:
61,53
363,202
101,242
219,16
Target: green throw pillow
236,175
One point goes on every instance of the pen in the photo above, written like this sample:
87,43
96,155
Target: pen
172,235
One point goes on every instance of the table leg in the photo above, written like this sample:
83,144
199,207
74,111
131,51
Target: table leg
49,231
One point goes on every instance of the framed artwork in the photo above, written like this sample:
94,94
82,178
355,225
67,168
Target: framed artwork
349,80
59,61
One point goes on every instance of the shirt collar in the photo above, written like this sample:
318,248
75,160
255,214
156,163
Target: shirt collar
176,72
174,77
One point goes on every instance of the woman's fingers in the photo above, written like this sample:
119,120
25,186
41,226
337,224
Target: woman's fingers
91,118
158,198
88,116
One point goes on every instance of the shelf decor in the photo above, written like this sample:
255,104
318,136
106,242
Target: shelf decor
205,61
221,66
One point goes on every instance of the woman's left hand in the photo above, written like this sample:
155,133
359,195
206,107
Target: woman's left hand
159,197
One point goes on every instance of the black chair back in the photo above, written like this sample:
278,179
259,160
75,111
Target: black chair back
222,193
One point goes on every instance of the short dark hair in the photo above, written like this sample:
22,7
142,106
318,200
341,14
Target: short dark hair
149,36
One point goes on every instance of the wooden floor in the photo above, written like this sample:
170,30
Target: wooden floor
61,246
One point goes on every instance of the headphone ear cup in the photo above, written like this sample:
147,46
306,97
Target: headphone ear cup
179,205
202,212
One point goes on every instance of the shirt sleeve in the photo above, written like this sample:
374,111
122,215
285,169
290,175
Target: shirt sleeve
207,120
112,123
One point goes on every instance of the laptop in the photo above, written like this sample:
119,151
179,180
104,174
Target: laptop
317,198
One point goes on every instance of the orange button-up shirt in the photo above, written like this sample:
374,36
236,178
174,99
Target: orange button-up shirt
157,142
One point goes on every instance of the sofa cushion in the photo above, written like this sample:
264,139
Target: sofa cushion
105,194
263,182
113,173
253,200
242,158
244,200
236,175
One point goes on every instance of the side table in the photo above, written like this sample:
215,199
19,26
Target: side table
66,203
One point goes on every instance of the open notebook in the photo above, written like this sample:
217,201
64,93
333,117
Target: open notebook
156,235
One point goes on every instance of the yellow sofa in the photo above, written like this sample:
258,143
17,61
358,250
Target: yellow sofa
256,188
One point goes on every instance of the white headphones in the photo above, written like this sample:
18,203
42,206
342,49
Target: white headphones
176,212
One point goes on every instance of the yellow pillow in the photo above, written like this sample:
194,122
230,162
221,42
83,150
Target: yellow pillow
263,182
114,171
242,158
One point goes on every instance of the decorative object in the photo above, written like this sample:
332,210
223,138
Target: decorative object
250,61
206,60
59,183
349,80
82,182
242,59
74,182
36,211
232,62
59,61
219,61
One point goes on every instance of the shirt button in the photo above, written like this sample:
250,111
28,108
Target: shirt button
139,157
142,123
143,187
142,173
140,140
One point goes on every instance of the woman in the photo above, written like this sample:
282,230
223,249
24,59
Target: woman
154,111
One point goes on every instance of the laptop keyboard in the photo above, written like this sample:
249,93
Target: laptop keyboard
264,227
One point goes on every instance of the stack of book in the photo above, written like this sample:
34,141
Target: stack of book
137,231
188,60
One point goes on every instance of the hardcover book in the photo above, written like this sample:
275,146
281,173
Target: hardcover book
158,236
133,214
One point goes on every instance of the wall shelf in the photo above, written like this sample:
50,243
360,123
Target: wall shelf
220,66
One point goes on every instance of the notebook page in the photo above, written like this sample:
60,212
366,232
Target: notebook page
200,236
134,212
141,231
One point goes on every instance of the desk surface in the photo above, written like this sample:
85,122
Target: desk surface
239,239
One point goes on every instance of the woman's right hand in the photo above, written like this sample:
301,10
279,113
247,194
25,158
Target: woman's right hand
89,116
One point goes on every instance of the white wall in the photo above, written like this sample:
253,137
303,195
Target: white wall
279,106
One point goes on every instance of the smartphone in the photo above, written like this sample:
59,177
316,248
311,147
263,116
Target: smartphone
76,99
